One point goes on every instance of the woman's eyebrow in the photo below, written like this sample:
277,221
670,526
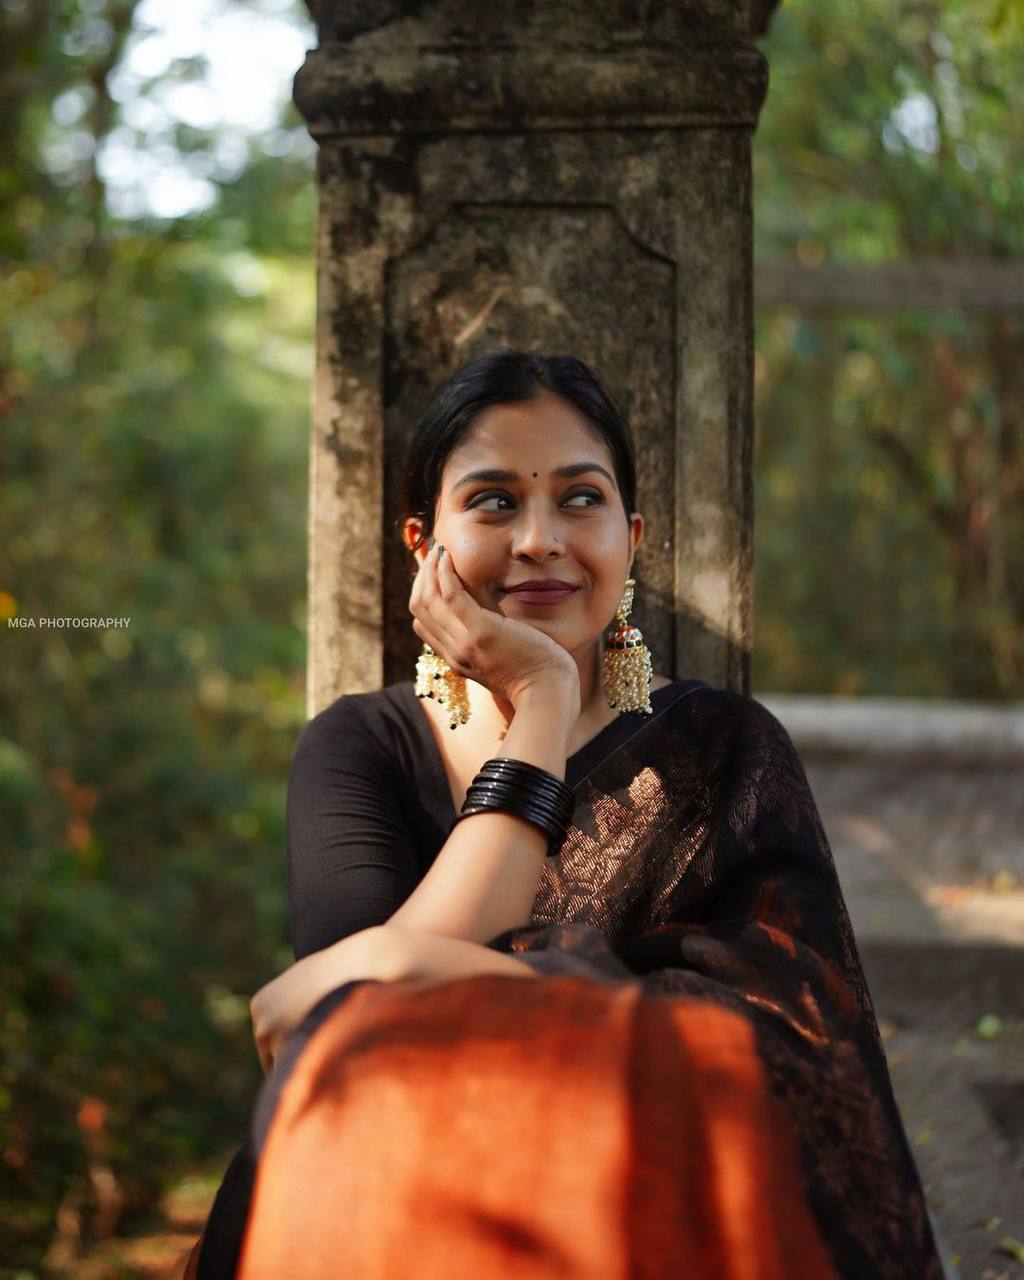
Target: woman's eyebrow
496,475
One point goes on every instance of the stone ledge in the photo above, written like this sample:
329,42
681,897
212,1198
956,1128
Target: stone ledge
905,728
342,90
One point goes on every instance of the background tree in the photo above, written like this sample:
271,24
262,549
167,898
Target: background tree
156,356
889,442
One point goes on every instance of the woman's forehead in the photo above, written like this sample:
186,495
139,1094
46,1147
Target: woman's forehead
529,438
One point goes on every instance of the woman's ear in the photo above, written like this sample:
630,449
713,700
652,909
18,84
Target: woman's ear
636,522
412,531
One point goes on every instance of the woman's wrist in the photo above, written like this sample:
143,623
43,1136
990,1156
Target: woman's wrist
416,956
542,727
554,696
375,952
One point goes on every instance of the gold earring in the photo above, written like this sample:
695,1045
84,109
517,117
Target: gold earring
436,679
627,662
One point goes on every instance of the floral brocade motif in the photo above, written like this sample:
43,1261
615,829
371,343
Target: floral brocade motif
697,866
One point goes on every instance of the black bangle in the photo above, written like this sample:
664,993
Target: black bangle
518,774
553,829
536,786
497,794
541,790
543,813
515,786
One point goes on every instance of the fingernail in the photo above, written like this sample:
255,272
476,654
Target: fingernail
440,552
430,544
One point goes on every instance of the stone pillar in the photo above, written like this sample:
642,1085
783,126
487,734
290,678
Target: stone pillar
571,176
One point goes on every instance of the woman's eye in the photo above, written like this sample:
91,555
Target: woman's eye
489,497
504,497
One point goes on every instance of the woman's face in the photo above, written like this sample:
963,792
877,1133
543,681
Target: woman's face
503,531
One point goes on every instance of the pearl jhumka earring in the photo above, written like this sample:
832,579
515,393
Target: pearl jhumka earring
627,670
435,679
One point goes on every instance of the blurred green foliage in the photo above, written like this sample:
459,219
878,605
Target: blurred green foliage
154,383
154,405
889,477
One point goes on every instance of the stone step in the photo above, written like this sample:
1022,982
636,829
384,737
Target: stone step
948,983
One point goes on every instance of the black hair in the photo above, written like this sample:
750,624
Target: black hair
507,376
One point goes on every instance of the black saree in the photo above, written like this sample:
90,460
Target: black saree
694,898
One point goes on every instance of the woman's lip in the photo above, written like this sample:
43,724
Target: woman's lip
542,595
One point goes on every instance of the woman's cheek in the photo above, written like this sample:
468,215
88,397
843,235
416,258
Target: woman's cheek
469,561
609,586
480,582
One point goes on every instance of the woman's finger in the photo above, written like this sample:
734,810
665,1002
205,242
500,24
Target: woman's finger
426,583
446,615
456,611
425,633
448,581
434,606
454,593
430,635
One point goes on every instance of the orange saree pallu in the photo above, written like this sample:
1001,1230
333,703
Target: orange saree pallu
494,1127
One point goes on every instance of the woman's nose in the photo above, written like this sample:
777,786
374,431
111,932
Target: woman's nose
537,538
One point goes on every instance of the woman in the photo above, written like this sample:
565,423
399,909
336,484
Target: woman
699,1079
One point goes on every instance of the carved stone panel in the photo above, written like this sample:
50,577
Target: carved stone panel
557,280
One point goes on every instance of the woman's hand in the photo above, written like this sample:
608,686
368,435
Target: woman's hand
279,1007
503,654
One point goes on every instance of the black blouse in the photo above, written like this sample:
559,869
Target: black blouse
369,807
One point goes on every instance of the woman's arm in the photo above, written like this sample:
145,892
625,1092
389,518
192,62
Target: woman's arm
353,860
485,876
429,957
352,855
279,1006
384,953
